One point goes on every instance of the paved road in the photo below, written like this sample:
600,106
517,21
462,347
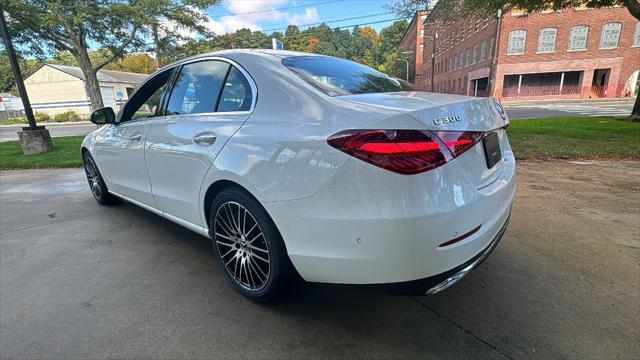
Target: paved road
569,108
9,132
78,280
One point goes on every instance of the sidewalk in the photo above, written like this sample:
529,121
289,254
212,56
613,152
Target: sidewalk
49,124
508,102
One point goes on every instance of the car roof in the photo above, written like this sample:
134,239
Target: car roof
275,55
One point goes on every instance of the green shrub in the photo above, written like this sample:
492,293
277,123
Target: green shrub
16,120
67,116
41,117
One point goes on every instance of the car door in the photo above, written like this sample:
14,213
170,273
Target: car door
209,101
121,150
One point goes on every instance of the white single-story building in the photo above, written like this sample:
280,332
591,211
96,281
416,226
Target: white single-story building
54,89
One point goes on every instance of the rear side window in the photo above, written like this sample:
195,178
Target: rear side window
236,94
197,88
340,77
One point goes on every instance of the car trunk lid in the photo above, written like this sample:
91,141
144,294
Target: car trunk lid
444,113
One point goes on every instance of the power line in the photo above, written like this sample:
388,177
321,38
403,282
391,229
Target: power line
327,22
305,33
278,9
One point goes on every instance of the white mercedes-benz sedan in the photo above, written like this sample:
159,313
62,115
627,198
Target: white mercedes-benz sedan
293,162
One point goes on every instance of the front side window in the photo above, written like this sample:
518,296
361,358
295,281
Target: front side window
610,35
636,35
236,94
145,102
336,76
578,37
517,39
547,40
197,88
483,50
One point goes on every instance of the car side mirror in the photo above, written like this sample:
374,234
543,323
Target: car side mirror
103,116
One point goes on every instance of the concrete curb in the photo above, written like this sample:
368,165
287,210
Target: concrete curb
47,124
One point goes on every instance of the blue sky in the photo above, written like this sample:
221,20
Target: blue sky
267,15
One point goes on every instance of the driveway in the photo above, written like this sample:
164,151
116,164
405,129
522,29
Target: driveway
78,280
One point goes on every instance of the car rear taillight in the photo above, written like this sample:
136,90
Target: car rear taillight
404,151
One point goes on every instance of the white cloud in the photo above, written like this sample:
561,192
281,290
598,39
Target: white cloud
310,15
245,6
259,11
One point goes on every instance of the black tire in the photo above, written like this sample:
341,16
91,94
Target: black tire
96,184
240,249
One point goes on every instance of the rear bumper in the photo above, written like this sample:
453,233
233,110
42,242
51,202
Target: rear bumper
435,284
359,230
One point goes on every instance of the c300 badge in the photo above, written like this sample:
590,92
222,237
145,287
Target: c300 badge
447,119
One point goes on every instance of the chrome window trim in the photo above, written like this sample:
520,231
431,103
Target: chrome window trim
252,85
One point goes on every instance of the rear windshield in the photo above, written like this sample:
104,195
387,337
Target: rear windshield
340,77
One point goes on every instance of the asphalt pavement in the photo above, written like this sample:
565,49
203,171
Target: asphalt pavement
83,281
10,132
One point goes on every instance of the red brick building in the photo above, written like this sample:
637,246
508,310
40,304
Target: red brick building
573,53
412,40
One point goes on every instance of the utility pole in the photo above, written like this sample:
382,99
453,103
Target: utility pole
33,139
13,60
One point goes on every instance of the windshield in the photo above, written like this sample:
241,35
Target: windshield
340,77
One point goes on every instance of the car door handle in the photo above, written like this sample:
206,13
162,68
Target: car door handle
135,138
205,138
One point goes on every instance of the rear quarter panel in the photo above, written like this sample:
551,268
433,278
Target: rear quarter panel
281,152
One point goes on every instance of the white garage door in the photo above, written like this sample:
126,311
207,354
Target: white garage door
108,98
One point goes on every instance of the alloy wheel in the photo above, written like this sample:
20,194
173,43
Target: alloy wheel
93,176
242,246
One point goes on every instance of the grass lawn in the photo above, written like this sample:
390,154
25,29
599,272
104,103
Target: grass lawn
574,137
65,153
577,137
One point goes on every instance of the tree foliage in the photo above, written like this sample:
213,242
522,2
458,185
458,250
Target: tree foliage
446,8
115,26
361,44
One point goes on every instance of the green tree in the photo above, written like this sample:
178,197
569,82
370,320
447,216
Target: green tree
394,64
293,40
113,25
391,36
137,63
7,81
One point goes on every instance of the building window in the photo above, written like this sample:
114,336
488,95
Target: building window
474,59
421,32
610,35
455,61
483,50
517,39
421,47
466,63
462,59
547,40
636,35
492,44
578,37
